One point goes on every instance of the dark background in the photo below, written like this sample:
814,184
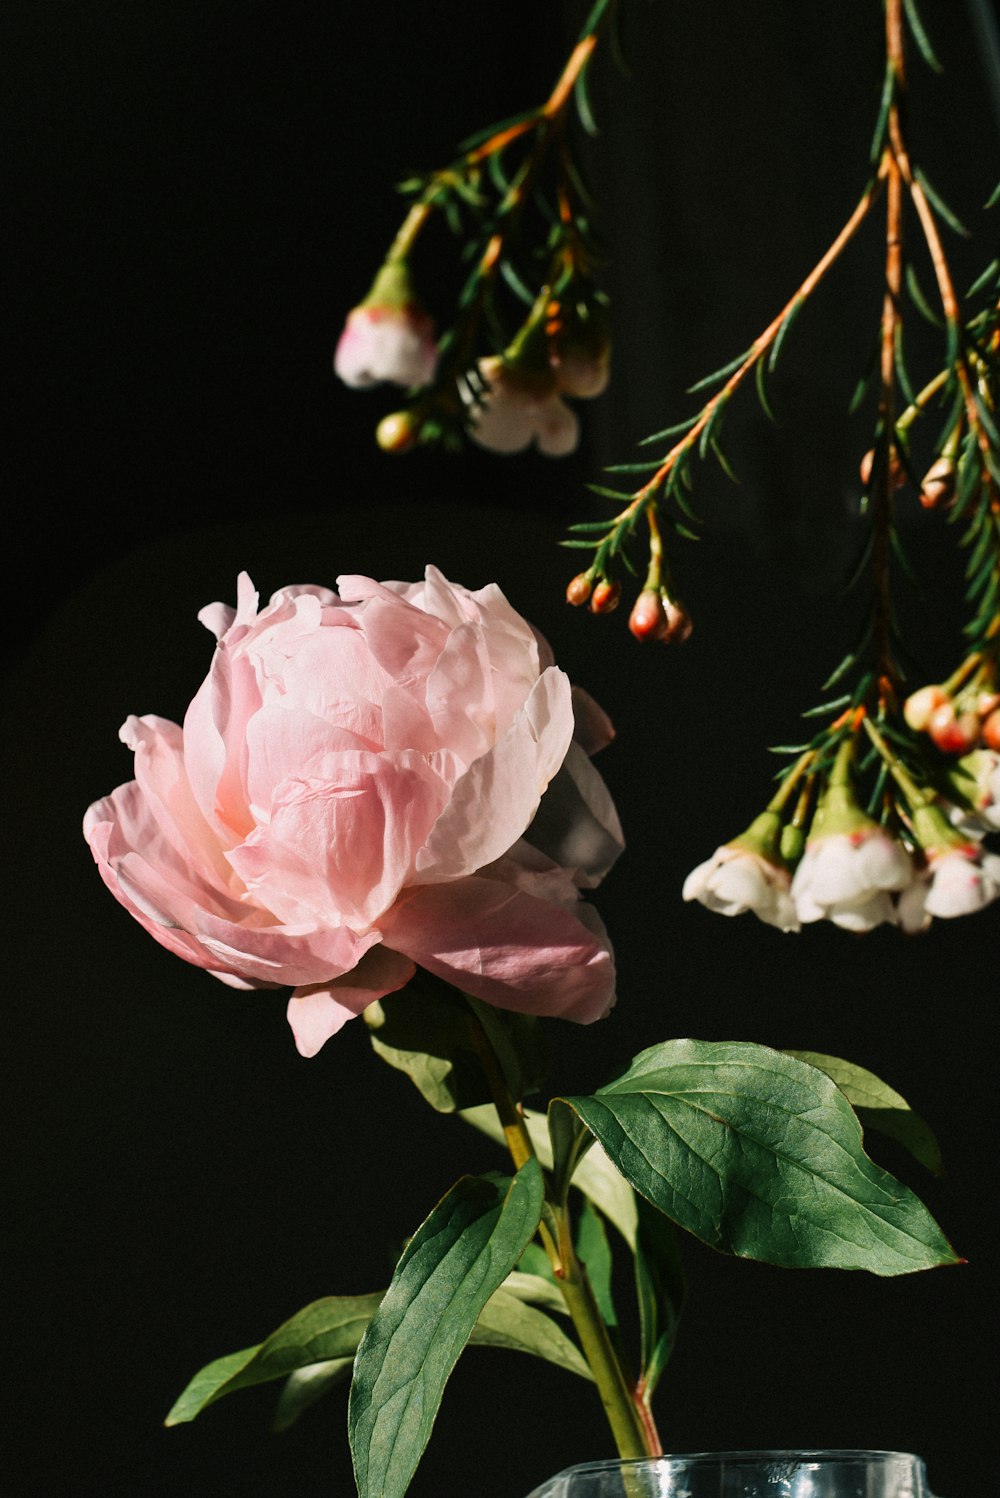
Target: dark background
197,195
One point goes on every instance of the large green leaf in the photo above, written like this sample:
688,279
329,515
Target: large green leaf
760,1155
879,1106
327,1329
457,1259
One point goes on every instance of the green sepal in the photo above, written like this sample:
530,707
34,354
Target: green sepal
879,1106
759,1155
457,1259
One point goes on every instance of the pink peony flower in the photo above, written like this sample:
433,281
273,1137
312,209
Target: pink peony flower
367,782
386,343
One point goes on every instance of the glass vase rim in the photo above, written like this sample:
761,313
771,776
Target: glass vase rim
792,1453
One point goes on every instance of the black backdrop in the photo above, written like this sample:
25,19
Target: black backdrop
198,194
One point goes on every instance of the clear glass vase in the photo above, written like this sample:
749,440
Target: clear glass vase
747,1474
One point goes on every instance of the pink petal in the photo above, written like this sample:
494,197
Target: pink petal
195,920
494,801
214,743
343,839
321,1009
166,794
506,947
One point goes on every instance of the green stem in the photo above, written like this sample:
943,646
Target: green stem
634,1433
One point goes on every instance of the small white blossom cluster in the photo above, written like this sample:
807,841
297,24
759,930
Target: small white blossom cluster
858,874
511,406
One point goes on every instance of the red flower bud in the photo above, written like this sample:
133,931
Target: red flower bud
991,730
579,590
605,597
953,734
648,619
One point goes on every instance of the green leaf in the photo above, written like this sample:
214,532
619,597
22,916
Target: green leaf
920,35
758,1155
304,1387
594,1252
718,374
879,1106
425,1031
660,1288
457,1259
783,331
986,279
918,298
327,1329
936,201
507,1321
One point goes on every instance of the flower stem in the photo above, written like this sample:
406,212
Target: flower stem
631,1425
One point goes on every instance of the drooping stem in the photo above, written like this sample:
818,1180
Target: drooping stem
884,472
631,1426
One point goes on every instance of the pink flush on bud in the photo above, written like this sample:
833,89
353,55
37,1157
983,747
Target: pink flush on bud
959,880
379,343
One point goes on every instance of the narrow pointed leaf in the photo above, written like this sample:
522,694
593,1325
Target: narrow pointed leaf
458,1257
760,1156
326,1329
879,1106
920,35
987,277
718,374
950,218
660,1288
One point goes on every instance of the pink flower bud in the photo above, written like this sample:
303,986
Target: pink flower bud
679,623
648,619
919,706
